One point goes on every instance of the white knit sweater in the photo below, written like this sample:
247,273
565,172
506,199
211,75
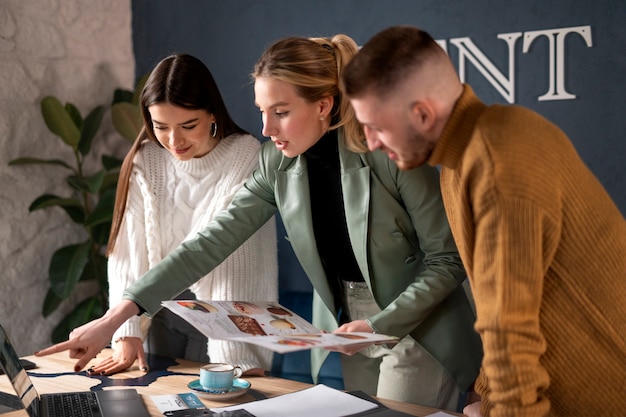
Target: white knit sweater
169,201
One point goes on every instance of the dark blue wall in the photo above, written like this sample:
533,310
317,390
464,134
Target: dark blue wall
229,35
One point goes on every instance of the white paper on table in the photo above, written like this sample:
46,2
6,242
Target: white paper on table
440,414
316,401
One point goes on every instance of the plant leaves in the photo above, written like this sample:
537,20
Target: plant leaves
94,182
103,211
66,268
121,95
50,200
100,233
72,206
50,303
96,269
77,183
88,310
111,163
90,128
87,184
62,330
75,115
27,161
109,183
141,82
126,119
59,121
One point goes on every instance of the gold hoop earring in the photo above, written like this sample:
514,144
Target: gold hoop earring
213,129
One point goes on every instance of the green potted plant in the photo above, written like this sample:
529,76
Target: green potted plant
89,204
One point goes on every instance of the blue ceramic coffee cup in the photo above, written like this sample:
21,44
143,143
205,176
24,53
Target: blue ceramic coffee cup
218,377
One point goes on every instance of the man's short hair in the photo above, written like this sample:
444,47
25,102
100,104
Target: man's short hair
386,59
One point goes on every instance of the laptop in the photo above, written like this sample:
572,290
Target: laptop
113,403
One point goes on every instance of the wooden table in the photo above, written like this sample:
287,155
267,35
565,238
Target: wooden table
54,374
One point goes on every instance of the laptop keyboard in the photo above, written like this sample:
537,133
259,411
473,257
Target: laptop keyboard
78,404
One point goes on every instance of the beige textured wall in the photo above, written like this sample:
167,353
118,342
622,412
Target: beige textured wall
79,51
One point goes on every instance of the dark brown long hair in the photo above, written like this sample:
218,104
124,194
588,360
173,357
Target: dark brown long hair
184,81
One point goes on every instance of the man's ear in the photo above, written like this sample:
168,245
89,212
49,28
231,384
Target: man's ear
423,114
326,105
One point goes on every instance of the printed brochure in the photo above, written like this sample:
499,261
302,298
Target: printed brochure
263,323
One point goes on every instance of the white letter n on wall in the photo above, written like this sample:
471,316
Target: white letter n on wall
469,51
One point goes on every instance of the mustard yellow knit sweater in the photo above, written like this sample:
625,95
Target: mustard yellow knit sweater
545,248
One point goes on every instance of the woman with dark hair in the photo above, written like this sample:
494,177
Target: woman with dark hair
184,167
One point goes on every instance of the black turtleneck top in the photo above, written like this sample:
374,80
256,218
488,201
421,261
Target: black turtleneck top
329,218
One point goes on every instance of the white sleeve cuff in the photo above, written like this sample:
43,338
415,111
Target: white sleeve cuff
131,328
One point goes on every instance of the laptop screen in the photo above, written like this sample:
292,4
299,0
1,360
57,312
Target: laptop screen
22,384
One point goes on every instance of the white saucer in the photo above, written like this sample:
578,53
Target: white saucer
240,387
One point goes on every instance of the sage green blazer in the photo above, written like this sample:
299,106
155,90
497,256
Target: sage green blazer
399,233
